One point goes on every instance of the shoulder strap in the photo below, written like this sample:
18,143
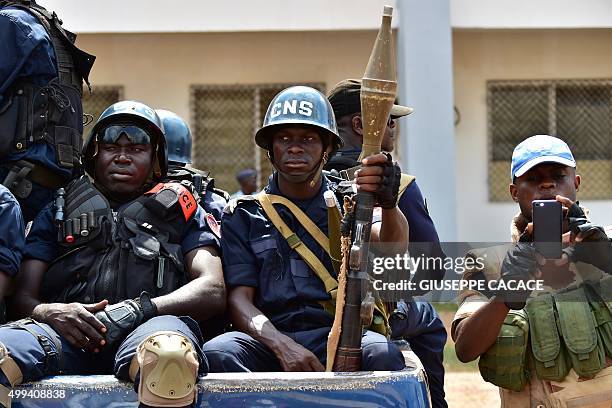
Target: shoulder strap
405,181
267,201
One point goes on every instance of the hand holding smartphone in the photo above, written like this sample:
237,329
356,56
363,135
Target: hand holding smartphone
547,227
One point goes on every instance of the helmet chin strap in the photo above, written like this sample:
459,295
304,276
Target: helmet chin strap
314,175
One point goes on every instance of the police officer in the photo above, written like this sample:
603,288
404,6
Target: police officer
416,321
247,179
12,239
112,264
179,141
275,294
41,114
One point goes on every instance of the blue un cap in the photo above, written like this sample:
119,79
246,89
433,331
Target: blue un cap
540,149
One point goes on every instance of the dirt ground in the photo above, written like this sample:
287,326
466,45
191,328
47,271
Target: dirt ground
468,390
463,384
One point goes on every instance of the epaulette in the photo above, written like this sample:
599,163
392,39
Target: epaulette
235,202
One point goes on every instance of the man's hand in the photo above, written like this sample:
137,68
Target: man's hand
123,317
381,176
591,245
75,322
518,265
588,243
295,357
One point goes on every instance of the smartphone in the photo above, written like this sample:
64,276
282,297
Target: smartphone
547,227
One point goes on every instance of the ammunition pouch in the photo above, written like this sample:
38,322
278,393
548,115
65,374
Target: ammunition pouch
565,335
600,300
14,120
579,331
505,363
380,322
550,357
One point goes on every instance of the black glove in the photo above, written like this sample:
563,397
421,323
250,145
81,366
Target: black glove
518,265
122,318
389,187
594,249
576,217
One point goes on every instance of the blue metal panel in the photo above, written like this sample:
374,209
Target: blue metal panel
365,389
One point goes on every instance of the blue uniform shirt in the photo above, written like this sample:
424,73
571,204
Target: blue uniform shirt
422,231
26,50
12,236
255,254
214,204
42,239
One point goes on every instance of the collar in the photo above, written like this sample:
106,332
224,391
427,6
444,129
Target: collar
306,205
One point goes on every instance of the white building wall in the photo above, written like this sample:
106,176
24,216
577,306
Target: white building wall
117,16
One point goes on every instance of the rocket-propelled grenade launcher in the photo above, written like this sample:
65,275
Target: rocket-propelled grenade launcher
378,90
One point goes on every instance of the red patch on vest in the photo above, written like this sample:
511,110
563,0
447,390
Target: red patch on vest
213,225
186,200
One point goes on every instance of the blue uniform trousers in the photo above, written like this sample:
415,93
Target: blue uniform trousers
419,324
239,352
61,357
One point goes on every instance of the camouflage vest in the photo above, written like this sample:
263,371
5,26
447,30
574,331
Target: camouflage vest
555,333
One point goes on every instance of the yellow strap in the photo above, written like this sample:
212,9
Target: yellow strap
405,181
306,222
266,201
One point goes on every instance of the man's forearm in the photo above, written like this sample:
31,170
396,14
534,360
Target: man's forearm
393,231
204,296
200,299
25,306
477,333
249,319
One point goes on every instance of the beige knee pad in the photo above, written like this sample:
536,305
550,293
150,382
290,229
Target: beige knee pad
168,370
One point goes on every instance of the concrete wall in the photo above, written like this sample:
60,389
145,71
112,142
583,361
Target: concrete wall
483,55
159,68
114,16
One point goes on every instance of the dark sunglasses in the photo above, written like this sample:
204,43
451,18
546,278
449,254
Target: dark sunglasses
136,135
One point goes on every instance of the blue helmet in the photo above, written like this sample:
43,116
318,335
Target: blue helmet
129,113
299,105
178,137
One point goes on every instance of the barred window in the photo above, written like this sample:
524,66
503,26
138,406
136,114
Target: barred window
577,111
94,103
224,121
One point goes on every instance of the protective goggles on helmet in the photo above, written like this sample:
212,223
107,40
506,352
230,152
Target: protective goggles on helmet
135,134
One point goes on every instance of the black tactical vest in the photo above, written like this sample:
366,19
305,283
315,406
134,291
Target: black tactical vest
52,113
117,255
201,180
